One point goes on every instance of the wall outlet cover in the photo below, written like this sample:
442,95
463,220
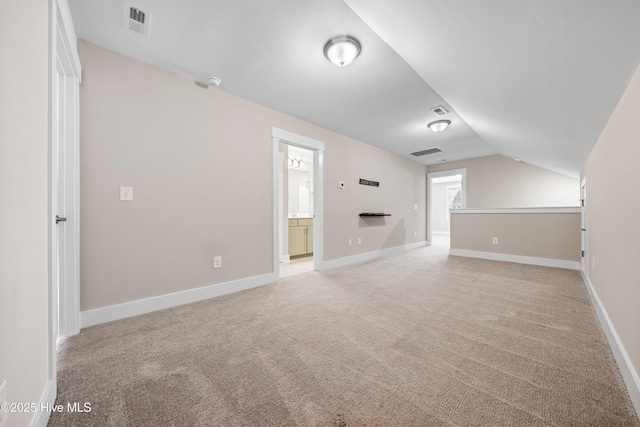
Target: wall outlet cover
217,262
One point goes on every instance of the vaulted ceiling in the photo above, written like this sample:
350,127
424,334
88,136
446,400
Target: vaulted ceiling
535,80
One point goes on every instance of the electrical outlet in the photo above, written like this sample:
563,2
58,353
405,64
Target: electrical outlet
494,241
415,234
3,399
350,242
359,241
217,262
415,207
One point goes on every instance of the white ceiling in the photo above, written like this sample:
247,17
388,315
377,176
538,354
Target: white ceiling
535,80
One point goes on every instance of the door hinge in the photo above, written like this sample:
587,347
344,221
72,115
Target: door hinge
582,254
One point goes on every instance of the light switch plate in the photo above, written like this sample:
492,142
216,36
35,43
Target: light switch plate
126,194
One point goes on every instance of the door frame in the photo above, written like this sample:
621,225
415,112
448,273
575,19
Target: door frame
430,178
64,100
286,137
584,264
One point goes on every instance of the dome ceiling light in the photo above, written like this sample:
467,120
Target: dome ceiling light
439,125
342,50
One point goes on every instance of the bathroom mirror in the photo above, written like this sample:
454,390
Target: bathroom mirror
300,195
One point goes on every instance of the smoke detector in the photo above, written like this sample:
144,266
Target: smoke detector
136,19
214,81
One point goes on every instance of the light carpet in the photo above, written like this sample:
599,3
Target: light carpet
417,339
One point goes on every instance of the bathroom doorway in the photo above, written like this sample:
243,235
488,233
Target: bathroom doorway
298,198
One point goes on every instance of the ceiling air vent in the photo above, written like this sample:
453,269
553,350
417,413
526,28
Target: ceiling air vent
440,111
433,150
137,20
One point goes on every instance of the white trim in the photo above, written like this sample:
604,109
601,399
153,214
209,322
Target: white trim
629,374
278,136
368,256
48,398
161,302
64,40
441,233
284,231
275,185
558,210
433,175
520,259
584,215
297,140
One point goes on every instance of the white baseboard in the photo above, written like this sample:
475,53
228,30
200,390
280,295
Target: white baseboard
367,256
629,374
135,308
47,400
494,256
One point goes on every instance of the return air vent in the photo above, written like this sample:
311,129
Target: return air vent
137,20
433,150
440,111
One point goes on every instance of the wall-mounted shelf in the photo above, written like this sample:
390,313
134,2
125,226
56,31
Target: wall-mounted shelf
374,214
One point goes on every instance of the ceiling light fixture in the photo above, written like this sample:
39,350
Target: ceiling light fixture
439,125
342,50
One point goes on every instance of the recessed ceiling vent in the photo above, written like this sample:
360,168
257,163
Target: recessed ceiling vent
137,20
440,111
433,150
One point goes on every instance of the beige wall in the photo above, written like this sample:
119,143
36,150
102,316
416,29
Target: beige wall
541,235
199,161
499,182
613,228
23,201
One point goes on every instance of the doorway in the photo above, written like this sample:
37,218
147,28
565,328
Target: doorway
583,227
64,170
297,197
298,219
446,191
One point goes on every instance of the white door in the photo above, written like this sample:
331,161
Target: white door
65,206
64,178
59,203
